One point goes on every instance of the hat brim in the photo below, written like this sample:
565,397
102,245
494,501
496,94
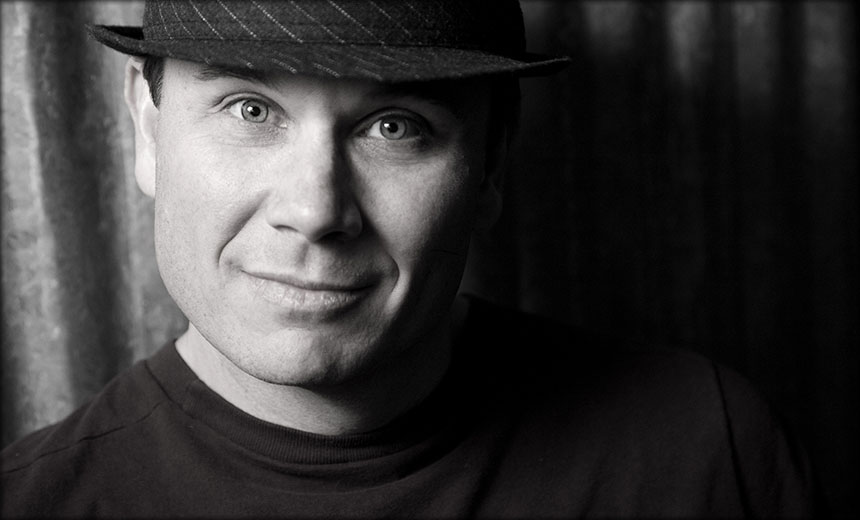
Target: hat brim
388,64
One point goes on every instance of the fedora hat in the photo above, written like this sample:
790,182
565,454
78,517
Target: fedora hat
383,40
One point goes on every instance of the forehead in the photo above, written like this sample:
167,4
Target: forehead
461,97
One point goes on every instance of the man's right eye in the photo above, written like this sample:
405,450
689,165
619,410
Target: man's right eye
251,110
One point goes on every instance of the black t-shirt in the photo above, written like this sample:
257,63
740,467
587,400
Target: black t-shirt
533,420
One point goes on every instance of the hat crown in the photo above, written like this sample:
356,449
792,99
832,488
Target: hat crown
378,40
490,25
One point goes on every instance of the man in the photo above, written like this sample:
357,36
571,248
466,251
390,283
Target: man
318,168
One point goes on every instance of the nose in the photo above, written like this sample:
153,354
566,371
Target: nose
314,193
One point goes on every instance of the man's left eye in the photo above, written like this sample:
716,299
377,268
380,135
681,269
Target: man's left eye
251,110
394,128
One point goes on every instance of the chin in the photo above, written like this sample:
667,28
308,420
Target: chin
301,361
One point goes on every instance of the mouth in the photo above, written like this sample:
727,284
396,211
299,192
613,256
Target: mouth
306,299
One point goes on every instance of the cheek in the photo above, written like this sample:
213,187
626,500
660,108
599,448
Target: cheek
201,187
200,204
428,239
428,216
177,240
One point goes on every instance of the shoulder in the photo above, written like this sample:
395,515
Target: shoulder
558,356
671,417
49,463
568,362
126,399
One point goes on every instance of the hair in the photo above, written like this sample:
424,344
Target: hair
505,108
153,73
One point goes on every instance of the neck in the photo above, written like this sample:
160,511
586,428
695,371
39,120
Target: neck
355,406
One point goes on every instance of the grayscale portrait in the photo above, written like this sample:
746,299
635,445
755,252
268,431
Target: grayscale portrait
429,259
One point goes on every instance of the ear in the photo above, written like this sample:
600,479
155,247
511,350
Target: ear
490,192
145,117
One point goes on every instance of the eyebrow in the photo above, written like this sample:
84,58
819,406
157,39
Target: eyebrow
443,94
214,72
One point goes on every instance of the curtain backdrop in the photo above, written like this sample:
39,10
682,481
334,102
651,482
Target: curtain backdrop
690,180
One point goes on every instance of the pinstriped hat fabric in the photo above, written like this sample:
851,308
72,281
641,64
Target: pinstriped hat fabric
384,40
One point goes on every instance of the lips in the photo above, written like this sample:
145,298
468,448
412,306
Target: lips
306,298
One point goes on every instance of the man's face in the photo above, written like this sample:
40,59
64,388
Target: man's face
312,228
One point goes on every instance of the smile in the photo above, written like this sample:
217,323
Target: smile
306,299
